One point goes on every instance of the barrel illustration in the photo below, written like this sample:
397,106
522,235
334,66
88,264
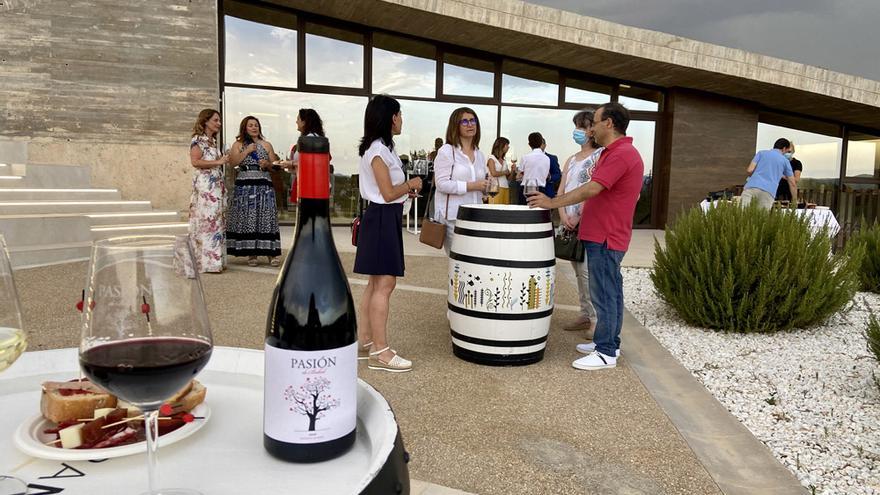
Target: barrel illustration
502,276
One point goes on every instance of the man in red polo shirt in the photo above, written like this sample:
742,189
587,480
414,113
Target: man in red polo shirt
605,229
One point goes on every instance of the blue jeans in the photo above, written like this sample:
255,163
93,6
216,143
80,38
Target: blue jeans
606,291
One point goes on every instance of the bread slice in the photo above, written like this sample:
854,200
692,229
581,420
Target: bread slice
194,397
69,401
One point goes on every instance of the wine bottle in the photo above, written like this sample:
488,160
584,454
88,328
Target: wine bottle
310,402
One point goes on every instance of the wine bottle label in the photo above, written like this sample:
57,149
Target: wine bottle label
310,396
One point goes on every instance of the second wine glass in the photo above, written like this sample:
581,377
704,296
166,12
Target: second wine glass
145,331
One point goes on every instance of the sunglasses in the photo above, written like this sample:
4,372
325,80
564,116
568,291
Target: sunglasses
472,121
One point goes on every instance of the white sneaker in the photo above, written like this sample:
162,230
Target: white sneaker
595,361
590,347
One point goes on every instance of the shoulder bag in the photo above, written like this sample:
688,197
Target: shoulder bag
433,232
567,245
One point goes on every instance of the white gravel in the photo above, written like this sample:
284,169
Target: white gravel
811,395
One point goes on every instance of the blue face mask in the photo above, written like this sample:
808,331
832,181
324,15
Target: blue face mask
579,136
788,155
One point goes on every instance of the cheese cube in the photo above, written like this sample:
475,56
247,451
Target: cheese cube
100,413
71,437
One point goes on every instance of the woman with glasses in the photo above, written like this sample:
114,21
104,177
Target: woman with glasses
459,169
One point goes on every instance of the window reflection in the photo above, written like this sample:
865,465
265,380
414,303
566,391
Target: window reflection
555,125
530,85
467,76
643,134
586,92
635,98
259,54
424,121
403,75
334,57
863,155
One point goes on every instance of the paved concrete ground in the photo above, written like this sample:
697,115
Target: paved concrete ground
545,428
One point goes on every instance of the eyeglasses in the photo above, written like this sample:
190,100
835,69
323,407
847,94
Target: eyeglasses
472,121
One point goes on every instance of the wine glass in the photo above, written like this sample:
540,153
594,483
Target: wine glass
492,186
530,186
13,342
420,169
145,332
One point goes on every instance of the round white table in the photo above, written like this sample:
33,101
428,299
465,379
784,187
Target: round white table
225,456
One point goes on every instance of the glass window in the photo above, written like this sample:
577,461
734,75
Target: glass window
403,67
277,111
424,121
555,125
467,76
259,53
334,57
589,93
643,134
634,98
863,155
530,85
819,155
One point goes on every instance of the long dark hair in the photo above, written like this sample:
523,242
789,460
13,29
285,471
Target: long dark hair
498,147
243,136
312,123
378,120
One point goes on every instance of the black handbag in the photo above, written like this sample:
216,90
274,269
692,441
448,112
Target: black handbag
567,245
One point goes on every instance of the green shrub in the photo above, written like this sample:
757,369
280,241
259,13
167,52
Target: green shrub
748,270
872,334
868,240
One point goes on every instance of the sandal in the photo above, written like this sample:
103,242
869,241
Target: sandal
396,365
276,261
252,261
364,350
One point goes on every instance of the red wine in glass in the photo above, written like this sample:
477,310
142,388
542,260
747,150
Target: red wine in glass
145,371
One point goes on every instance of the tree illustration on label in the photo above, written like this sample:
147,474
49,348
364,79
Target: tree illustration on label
310,400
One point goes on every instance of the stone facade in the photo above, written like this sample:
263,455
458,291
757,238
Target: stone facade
113,84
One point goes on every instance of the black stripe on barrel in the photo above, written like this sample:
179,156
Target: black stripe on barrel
504,216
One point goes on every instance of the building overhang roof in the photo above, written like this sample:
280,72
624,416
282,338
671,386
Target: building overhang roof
580,43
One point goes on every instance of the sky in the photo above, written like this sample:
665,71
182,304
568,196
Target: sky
841,35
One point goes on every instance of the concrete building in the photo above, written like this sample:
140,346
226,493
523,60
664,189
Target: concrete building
116,85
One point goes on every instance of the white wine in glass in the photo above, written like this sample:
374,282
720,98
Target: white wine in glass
13,342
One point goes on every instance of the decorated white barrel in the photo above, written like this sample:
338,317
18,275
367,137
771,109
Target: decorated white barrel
502,277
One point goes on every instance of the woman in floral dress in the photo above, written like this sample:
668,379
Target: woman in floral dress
207,226
253,217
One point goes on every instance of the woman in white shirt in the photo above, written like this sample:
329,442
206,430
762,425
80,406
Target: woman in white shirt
459,170
497,164
577,171
380,238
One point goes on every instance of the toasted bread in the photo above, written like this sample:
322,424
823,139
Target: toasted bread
69,401
194,397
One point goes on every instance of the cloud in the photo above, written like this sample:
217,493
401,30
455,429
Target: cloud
841,35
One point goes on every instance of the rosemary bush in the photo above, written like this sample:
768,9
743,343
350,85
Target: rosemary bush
749,270
867,239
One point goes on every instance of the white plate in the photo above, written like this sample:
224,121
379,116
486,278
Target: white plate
30,439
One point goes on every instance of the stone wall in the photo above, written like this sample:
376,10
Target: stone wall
114,84
712,143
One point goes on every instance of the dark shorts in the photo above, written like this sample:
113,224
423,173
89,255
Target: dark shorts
380,241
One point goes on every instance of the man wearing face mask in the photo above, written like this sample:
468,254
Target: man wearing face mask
783,192
765,171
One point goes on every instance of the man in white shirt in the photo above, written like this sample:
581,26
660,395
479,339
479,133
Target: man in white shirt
535,165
